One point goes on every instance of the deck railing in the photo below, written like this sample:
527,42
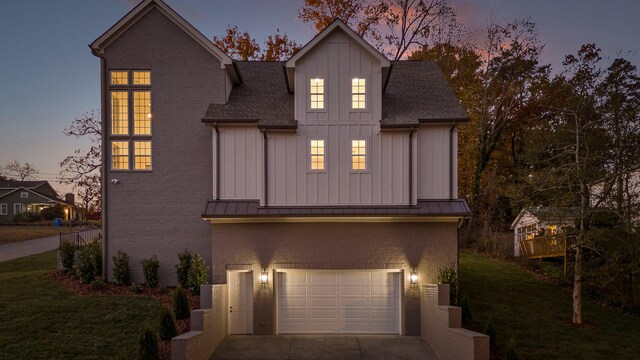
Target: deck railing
543,246
81,236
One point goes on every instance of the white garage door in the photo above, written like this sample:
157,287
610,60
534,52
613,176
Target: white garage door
338,302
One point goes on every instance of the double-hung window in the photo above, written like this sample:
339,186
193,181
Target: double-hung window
358,93
130,94
316,91
4,209
317,155
358,155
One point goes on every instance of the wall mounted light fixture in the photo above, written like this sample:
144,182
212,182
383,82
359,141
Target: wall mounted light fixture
413,278
264,277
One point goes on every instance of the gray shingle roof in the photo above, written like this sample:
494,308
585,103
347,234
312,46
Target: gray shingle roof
24,184
251,208
416,91
262,97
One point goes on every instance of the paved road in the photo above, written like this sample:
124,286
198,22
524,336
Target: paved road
29,247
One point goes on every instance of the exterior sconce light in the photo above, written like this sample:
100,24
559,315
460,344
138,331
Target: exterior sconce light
264,277
413,278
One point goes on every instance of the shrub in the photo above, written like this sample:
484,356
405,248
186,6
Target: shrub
136,288
148,344
52,212
67,251
447,275
511,353
94,249
490,330
85,267
167,324
150,269
466,309
183,267
121,269
181,304
197,273
98,284
162,290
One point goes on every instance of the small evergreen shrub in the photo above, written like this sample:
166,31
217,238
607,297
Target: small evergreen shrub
52,212
85,267
98,284
94,249
136,288
150,268
448,275
490,330
67,250
167,324
181,306
197,273
183,267
148,344
511,353
162,290
465,304
121,269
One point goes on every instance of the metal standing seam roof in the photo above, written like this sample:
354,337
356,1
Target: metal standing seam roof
416,92
252,208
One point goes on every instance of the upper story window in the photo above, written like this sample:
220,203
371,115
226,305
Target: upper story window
358,93
131,99
317,155
358,155
316,90
24,195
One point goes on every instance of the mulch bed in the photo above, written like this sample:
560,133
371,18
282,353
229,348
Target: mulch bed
75,286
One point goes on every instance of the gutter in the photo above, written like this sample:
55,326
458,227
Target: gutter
103,171
265,168
453,126
215,126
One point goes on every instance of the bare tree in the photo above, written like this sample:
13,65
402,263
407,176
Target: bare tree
21,171
83,168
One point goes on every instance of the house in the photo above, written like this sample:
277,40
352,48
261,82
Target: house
322,189
18,197
627,190
536,231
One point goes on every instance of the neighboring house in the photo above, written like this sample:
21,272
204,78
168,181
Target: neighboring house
537,230
629,194
17,197
316,187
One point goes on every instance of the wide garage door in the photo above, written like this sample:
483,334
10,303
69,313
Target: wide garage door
338,302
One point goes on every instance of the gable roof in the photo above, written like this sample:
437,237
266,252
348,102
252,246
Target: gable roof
9,184
548,214
261,98
98,45
336,25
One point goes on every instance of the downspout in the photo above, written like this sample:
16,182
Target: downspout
411,167
451,161
103,170
215,126
265,171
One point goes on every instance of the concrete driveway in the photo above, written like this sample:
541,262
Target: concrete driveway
345,347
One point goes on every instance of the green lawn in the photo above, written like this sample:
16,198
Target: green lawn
539,315
40,320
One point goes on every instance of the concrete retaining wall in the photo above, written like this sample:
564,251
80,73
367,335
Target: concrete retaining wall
208,326
441,327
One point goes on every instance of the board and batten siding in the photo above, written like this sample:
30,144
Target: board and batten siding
434,163
241,162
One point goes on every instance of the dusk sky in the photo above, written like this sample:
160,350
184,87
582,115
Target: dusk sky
49,76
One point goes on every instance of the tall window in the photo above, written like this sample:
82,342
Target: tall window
120,155
317,93
17,209
3,209
317,155
358,155
130,99
358,93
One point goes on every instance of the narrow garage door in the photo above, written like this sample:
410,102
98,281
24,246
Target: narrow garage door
338,302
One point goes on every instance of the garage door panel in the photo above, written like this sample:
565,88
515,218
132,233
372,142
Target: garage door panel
339,302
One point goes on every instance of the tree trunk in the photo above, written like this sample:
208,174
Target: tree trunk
577,287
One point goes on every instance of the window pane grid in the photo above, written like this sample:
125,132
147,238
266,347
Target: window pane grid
120,155
141,78
119,113
142,155
119,78
358,155
317,93
142,112
317,154
358,92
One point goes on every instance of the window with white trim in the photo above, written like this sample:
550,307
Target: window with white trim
130,100
358,155
358,93
17,209
4,209
317,155
24,195
316,91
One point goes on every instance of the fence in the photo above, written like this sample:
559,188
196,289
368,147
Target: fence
81,236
